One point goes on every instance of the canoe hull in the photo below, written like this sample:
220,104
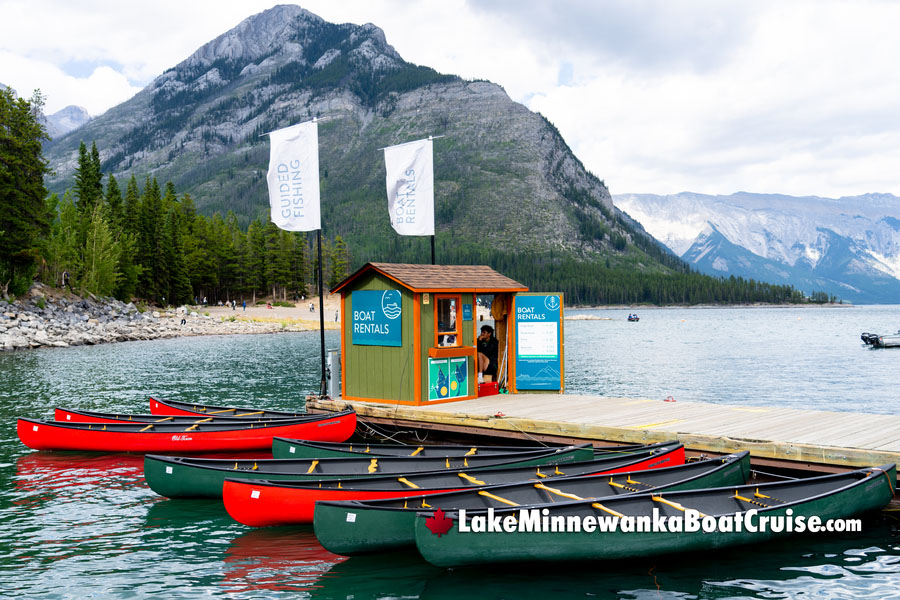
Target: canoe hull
49,435
350,528
200,478
455,548
264,504
172,407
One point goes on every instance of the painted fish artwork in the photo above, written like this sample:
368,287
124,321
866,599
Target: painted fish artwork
459,374
443,383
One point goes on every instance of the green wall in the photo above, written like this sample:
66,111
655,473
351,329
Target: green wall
380,372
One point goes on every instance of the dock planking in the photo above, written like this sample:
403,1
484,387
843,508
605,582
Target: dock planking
820,440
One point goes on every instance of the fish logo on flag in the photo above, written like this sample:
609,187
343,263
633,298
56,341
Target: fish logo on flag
410,187
293,177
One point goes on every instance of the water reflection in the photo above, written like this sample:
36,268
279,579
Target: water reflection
276,560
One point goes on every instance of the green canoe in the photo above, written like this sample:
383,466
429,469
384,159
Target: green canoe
290,448
186,477
359,527
648,524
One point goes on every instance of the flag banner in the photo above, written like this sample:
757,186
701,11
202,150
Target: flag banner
293,177
410,187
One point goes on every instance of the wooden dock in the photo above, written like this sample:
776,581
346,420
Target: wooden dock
808,439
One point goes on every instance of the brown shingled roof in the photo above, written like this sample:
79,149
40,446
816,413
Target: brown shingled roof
434,278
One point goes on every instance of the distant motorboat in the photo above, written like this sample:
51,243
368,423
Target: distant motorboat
881,341
634,318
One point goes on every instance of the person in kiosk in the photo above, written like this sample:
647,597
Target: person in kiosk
487,353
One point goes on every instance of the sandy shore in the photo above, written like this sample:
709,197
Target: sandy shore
261,314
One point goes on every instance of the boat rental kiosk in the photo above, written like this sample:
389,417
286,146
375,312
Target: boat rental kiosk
409,334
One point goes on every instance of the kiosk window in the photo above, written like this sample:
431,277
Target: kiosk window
448,323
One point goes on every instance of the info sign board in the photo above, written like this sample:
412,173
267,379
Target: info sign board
539,338
376,318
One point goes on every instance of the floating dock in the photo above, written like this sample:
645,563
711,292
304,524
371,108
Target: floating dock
814,440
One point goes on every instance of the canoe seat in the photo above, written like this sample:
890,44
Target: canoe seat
471,479
630,485
606,509
164,419
674,505
556,471
758,499
150,426
238,467
557,492
497,498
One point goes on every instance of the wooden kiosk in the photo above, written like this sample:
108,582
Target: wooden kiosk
408,332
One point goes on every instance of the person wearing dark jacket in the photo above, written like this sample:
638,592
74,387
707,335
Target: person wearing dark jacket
487,353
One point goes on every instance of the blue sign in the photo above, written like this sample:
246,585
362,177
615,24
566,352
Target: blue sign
467,312
376,318
538,321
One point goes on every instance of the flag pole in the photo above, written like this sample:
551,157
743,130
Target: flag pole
432,250
323,386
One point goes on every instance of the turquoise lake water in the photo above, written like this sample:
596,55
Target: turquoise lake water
86,526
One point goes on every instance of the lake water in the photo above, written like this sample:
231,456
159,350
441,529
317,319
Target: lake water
86,526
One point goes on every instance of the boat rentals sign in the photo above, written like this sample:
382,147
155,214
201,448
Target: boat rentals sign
538,329
375,318
410,187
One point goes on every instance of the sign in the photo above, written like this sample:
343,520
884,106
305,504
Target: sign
293,177
538,323
410,187
467,312
376,318
448,378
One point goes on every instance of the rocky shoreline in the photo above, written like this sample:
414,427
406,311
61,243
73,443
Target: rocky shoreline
47,317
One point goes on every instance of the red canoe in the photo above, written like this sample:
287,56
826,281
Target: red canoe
71,415
263,503
173,407
213,436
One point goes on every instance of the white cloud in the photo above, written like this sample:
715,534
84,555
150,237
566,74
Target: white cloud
652,95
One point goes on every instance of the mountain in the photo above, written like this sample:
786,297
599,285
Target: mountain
848,247
506,182
66,120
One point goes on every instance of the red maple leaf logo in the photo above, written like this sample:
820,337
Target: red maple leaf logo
439,524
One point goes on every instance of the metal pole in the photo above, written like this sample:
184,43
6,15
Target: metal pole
432,250
322,388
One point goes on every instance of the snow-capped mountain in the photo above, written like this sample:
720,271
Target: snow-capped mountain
848,247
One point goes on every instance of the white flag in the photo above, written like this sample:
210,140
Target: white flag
410,187
294,177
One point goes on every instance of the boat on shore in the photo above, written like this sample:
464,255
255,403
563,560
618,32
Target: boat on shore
174,407
212,436
265,502
290,448
572,531
184,477
360,527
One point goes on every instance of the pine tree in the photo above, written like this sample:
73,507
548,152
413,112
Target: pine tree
24,218
100,257
179,282
340,262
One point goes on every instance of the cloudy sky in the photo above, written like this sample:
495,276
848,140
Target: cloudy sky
790,96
